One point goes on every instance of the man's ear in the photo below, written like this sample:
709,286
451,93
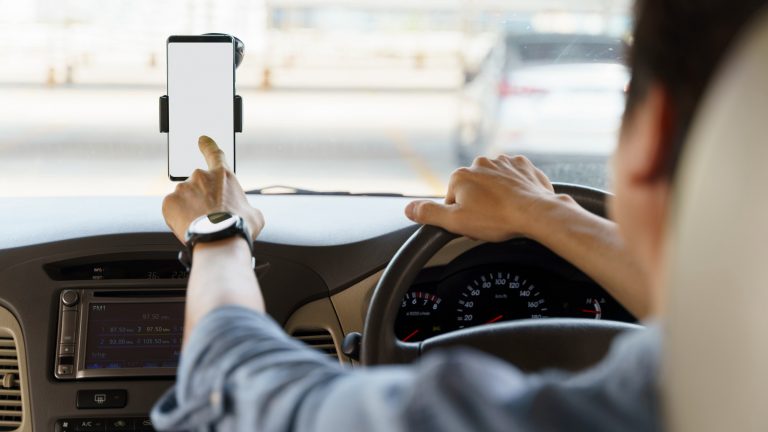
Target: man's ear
650,127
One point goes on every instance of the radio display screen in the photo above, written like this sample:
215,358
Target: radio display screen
134,335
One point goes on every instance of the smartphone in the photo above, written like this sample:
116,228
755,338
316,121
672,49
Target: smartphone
201,92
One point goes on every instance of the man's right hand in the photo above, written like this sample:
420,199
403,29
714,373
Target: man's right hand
208,191
493,200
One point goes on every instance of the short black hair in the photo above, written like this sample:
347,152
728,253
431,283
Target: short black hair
679,44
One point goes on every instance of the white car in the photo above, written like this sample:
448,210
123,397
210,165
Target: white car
565,109
557,99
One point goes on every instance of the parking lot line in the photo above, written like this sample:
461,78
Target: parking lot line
416,161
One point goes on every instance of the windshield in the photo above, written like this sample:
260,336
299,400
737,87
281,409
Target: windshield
364,96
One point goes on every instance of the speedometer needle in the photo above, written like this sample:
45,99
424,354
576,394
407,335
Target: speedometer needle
588,311
405,339
495,319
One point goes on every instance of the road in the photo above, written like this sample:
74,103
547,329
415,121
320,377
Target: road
105,141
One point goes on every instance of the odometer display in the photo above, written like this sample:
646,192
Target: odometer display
499,296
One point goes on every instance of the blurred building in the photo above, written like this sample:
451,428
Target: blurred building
300,43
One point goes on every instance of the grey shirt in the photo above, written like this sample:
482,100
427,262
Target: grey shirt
241,372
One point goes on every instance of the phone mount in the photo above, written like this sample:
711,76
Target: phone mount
239,54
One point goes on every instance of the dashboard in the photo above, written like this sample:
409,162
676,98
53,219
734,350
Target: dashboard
91,297
91,294
519,279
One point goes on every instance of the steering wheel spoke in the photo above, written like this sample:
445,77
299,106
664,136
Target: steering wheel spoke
536,344
409,351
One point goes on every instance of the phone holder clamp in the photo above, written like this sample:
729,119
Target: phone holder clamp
238,101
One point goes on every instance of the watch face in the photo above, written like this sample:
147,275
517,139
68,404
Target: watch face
214,222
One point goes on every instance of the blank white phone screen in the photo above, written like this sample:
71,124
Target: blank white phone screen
200,102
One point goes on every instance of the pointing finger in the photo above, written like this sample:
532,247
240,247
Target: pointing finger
214,157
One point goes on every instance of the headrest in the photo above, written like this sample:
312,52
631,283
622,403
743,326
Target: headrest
715,368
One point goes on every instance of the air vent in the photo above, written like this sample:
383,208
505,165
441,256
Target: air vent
318,339
10,387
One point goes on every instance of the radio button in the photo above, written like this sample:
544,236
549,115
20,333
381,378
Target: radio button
68,325
65,370
66,349
70,298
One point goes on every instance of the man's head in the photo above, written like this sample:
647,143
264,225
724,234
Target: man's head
676,49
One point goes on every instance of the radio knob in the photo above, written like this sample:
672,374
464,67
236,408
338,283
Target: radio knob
70,298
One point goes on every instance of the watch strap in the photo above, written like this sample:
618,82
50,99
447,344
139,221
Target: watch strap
240,228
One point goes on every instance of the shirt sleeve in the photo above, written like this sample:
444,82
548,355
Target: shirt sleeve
241,372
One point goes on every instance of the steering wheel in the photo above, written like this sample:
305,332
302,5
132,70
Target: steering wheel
531,344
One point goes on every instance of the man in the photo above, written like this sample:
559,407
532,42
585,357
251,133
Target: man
239,371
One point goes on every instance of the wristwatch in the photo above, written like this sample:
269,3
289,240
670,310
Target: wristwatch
213,227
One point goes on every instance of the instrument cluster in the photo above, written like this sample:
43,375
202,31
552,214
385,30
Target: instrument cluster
468,292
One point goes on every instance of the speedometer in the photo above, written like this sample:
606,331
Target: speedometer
499,296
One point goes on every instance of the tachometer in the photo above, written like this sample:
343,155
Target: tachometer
416,320
499,296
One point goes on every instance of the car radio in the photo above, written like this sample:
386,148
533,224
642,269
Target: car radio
105,333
